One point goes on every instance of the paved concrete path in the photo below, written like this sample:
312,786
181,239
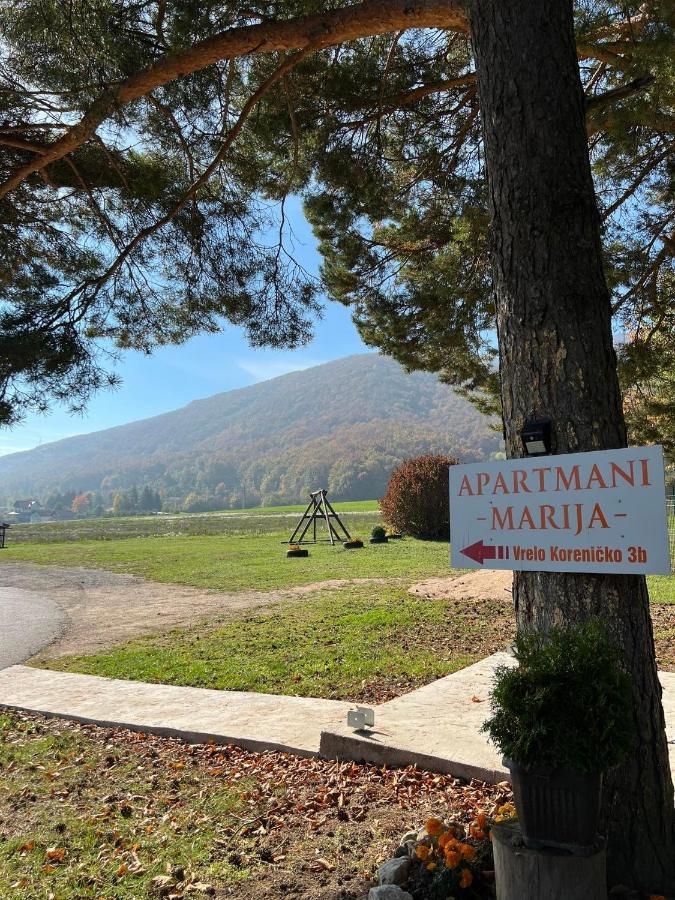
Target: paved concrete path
436,727
28,622
253,721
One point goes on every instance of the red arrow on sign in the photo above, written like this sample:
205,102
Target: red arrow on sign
479,552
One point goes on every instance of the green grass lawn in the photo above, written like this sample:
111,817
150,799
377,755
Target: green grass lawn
661,588
353,643
362,643
95,823
256,520
255,559
235,562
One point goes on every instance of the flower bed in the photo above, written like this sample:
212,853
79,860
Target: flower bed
445,859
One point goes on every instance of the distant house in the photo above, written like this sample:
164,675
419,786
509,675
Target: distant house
26,505
25,510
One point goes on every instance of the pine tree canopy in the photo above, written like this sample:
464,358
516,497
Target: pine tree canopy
148,147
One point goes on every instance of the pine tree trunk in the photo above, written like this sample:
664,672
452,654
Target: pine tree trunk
557,358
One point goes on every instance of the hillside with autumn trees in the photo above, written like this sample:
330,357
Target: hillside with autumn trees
344,425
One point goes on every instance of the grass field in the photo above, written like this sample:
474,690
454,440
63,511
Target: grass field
354,643
97,826
236,562
359,642
256,520
224,552
236,550
661,588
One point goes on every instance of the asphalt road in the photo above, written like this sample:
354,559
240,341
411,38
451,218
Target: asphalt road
28,622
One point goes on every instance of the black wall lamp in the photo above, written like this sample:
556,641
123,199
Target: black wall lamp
537,437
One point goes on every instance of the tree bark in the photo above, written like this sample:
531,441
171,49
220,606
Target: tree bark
557,359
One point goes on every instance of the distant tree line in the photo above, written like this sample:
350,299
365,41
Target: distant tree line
127,503
68,504
354,464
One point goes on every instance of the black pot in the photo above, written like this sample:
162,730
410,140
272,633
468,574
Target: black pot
382,540
297,553
353,545
556,807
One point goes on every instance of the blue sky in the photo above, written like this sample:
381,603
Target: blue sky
206,365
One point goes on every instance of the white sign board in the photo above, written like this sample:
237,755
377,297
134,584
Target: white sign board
603,511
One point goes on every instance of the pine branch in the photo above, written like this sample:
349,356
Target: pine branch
97,283
319,31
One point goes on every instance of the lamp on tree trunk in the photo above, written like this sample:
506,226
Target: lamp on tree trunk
537,437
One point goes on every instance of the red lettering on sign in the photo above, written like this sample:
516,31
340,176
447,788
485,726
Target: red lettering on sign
595,476
500,484
645,473
597,514
519,481
465,487
629,478
561,478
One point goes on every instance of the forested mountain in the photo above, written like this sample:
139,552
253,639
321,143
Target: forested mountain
344,425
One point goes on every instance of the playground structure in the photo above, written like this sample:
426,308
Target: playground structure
319,509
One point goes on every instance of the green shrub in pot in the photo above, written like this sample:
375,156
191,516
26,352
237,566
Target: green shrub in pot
378,535
561,718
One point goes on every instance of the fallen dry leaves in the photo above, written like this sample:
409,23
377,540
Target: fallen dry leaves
317,825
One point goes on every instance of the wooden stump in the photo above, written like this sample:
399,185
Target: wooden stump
524,874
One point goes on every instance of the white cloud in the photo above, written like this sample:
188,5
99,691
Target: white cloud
9,448
264,369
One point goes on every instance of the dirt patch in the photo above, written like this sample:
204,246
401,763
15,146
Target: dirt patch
482,584
470,630
105,608
497,626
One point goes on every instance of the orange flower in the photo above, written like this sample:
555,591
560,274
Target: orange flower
482,821
447,839
656,897
468,852
466,878
434,827
423,851
431,866
477,832
452,858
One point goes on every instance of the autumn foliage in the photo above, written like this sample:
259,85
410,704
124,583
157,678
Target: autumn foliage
416,500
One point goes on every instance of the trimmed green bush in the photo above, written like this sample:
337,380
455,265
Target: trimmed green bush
568,704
